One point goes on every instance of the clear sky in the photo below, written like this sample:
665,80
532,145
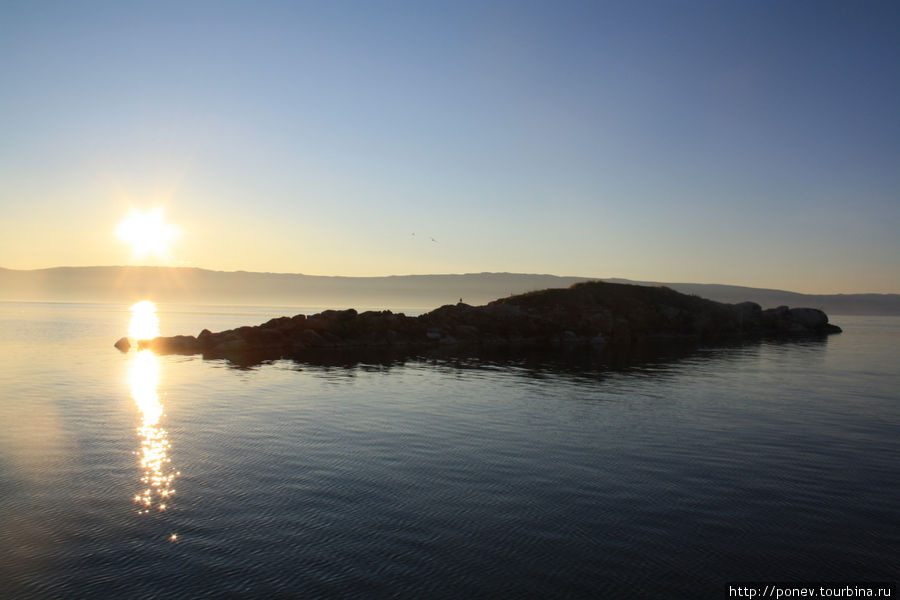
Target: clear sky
747,142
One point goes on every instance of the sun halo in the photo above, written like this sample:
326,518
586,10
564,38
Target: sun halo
147,233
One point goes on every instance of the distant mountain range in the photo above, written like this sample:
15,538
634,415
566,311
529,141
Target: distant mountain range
399,292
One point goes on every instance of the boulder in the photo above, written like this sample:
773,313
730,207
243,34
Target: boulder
228,346
206,339
466,332
309,337
124,345
748,310
810,319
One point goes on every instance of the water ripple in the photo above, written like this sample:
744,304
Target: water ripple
661,478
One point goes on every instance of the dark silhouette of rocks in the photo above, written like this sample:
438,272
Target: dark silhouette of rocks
590,314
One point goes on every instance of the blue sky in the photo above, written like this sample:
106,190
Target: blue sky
752,143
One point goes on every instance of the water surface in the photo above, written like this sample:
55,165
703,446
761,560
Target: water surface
128,475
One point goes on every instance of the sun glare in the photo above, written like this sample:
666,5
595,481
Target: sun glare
147,233
144,323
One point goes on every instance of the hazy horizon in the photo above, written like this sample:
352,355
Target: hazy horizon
389,275
460,274
752,144
404,293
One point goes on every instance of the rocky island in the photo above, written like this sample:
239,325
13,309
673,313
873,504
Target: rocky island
590,314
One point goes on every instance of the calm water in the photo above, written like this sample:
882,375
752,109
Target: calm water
132,476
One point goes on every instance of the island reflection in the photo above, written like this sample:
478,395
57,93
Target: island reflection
651,358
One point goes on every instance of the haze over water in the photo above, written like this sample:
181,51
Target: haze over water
131,475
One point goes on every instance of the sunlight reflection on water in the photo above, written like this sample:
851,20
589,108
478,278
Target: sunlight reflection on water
144,372
144,323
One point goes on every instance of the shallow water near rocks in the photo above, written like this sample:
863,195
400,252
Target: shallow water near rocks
127,475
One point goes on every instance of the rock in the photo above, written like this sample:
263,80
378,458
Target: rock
809,318
331,340
670,312
124,345
748,307
318,322
466,332
205,339
311,338
277,323
270,338
748,310
587,314
796,321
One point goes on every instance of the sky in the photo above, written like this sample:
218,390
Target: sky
748,142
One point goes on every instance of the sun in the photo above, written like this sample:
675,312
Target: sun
147,233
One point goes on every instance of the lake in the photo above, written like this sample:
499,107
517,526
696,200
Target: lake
659,475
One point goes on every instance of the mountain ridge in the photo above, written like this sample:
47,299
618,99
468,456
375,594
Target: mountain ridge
424,291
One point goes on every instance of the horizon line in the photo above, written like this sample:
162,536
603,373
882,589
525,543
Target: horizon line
586,278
